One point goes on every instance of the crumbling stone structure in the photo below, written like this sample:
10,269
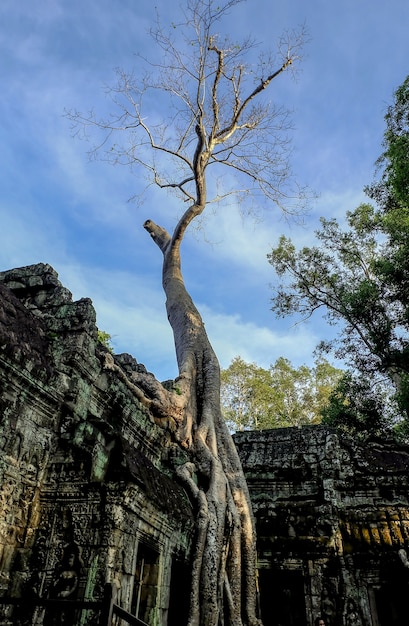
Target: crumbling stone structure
88,494
332,519
86,488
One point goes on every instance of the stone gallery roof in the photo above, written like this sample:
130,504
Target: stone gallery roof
54,341
23,336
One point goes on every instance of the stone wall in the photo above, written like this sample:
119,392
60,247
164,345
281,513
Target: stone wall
88,496
86,488
332,520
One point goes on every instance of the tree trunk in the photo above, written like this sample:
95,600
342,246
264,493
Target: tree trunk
223,589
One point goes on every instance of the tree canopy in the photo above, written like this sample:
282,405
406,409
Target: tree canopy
254,398
358,274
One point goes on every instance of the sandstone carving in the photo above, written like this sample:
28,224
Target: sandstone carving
92,491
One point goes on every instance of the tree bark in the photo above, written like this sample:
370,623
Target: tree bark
223,585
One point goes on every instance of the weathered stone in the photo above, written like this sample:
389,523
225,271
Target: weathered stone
89,495
83,468
332,518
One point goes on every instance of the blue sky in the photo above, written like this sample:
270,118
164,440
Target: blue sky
57,207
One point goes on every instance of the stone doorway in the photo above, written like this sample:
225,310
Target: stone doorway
146,583
392,602
179,597
282,596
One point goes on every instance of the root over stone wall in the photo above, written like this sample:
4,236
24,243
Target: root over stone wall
89,494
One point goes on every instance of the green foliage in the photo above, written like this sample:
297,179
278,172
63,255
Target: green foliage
394,183
105,339
360,408
254,398
358,276
338,276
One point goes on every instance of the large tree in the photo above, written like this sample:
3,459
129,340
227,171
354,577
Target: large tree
358,274
256,398
216,117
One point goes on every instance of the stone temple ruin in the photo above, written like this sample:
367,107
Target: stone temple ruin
96,529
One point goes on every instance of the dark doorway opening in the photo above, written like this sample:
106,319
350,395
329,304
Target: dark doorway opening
146,583
282,600
392,602
180,583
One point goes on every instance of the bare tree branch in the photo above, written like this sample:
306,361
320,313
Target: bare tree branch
200,111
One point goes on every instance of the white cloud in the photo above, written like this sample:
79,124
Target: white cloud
59,209
244,243
133,312
236,240
231,336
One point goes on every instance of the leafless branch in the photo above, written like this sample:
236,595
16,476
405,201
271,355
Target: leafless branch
199,108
